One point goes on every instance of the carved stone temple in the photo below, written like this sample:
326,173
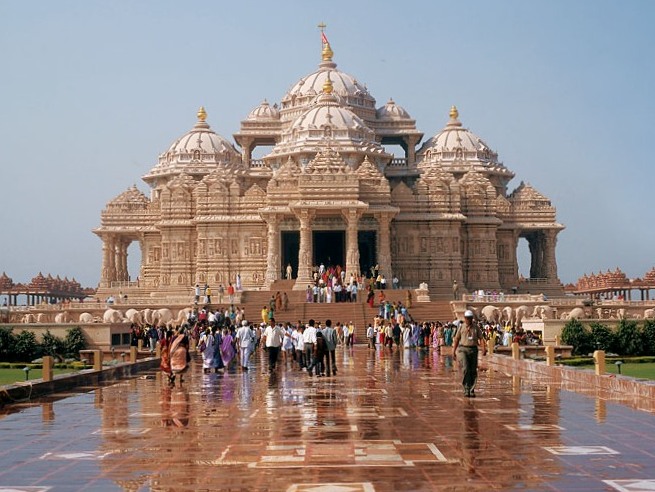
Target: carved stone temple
329,192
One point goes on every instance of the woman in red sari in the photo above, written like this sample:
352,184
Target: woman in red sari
179,354
165,364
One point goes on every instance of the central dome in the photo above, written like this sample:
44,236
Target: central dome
346,87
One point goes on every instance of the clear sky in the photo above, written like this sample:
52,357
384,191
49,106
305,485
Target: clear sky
91,92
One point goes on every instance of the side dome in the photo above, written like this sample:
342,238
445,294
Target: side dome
196,153
264,112
392,111
347,88
455,141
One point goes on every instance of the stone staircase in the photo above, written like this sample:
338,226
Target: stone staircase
358,312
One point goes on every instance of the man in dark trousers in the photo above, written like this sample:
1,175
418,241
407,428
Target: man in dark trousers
465,349
330,336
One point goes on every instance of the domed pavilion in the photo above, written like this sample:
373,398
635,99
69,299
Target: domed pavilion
329,191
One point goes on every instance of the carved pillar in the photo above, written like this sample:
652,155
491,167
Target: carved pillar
106,253
550,262
122,254
384,245
273,260
305,217
352,245
111,270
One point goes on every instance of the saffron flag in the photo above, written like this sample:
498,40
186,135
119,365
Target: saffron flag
324,38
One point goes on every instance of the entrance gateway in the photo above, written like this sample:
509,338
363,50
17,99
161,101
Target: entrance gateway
329,248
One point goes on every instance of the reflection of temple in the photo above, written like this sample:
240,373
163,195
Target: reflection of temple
329,191
42,289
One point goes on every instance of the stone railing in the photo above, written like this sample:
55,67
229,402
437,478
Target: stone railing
257,163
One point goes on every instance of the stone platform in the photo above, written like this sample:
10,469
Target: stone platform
387,422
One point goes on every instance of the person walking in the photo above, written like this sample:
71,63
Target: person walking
245,338
465,350
273,335
309,338
330,336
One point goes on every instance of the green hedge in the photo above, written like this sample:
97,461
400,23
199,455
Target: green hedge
629,339
23,347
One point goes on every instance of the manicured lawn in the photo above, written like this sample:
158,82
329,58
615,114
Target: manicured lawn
10,376
645,370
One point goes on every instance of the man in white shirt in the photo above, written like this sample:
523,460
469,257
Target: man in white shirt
245,338
274,335
309,337
299,344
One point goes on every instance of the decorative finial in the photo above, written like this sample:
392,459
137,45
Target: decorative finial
454,114
327,53
202,114
327,86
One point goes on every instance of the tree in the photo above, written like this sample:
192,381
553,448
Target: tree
602,337
7,341
26,346
74,342
628,338
648,337
575,334
52,345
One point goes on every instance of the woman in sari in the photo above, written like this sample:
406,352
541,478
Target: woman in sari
179,354
207,346
227,348
165,364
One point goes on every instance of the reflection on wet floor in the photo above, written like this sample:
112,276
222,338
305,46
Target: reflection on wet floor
388,421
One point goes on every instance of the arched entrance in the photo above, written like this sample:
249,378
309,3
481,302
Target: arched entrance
329,247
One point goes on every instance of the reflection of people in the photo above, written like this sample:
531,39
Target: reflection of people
471,438
175,407
465,349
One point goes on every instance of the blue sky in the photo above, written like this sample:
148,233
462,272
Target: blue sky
92,92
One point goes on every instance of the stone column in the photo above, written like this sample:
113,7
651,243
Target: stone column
384,246
352,245
121,260
305,250
106,261
273,259
111,246
550,261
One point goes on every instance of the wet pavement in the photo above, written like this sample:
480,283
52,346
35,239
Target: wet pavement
386,422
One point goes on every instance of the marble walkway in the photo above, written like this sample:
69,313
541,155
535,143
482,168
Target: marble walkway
387,422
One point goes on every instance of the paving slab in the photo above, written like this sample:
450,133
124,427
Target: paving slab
389,421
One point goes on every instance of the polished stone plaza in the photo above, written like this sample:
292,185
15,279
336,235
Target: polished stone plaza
388,422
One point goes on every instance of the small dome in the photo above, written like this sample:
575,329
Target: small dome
264,112
197,152
392,111
454,141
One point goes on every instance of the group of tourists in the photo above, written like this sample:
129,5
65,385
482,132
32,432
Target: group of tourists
203,294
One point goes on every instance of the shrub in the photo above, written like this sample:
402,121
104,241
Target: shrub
52,345
575,334
74,342
628,338
648,337
602,337
26,346
7,341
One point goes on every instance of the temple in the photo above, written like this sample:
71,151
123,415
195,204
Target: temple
330,191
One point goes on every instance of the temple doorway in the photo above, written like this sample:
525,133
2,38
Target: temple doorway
367,251
329,248
290,247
